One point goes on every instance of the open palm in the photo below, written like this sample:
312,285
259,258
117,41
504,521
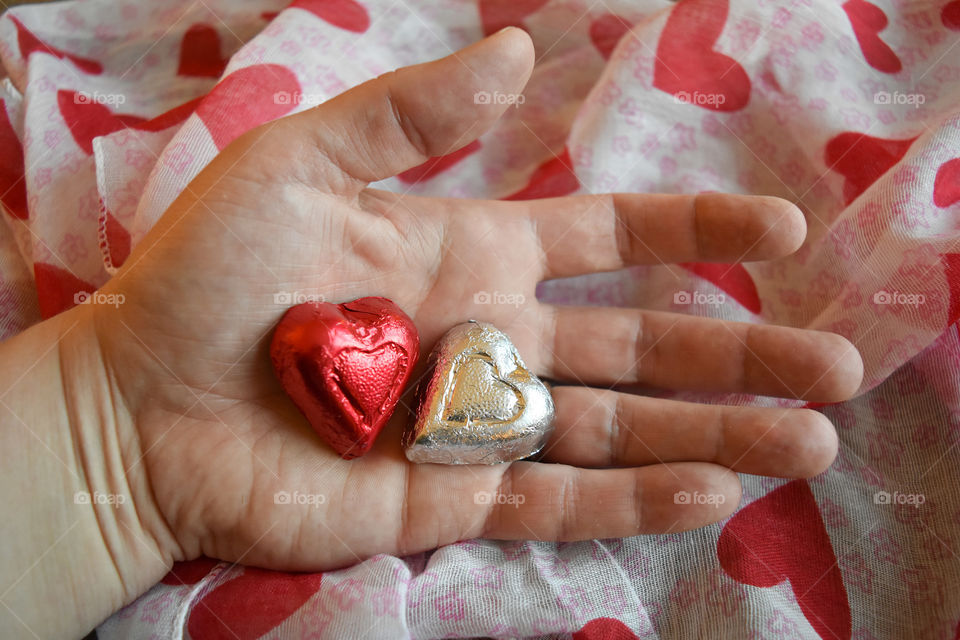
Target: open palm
286,208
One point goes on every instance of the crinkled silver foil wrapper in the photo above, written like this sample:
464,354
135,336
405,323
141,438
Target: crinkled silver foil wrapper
478,403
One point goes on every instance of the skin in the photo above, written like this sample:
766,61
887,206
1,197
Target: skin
170,401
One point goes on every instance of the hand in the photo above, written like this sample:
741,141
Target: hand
211,437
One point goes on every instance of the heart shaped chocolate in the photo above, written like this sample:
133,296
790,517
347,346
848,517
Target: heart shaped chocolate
345,366
479,404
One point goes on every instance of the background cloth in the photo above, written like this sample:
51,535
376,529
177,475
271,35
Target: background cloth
849,109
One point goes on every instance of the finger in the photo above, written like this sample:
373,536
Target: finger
401,119
603,428
378,506
559,502
607,346
584,234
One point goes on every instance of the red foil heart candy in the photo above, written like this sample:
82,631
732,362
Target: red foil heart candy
345,366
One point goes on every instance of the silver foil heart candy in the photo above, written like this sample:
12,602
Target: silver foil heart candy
478,404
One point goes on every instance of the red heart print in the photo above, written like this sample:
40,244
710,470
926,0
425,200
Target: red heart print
553,178
781,537
499,14
57,289
171,117
246,98
345,366
689,68
249,606
868,20
189,572
30,43
437,164
346,14
950,15
605,629
606,31
732,278
946,186
87,119
200,52
862,159
13,188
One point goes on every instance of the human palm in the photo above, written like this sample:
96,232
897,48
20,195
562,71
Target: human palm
286,208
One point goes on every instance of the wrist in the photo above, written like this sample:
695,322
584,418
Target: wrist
85,535
103,424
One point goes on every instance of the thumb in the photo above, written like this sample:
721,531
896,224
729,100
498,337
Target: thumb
400,119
